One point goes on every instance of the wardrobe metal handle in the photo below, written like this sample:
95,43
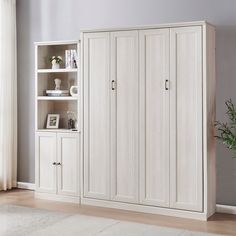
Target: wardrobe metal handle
166,84
113,84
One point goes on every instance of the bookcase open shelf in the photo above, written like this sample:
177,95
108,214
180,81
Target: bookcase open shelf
46,107
45,52
45,80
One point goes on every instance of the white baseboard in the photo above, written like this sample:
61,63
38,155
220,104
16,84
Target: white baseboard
24,185
219,208
144,209
226,209
56,197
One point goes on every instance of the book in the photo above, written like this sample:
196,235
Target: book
57,93
71,60
68,59
73,54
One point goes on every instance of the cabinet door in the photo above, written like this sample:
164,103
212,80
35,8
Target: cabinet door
154,117
45,149
96,115
68,163
186,118
125,126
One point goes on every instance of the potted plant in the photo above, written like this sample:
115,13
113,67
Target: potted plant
227,131
56,60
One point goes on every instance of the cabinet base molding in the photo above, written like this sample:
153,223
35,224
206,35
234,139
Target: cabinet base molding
55,197
145,209
226,209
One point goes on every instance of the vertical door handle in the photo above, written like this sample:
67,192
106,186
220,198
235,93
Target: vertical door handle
113,85
166,84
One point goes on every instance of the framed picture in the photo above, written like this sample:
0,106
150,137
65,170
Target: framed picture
53,121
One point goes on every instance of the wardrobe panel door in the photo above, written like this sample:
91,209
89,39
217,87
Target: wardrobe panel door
154,117
46,158
186,118
96,115
125,130
68,164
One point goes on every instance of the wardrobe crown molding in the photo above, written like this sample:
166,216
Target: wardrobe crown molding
152,26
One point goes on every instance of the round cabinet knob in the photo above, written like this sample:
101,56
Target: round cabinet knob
54,163
59,164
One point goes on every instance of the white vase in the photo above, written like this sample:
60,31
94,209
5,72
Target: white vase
74,91
55,66
57,84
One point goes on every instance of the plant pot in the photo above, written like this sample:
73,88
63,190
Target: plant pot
55,66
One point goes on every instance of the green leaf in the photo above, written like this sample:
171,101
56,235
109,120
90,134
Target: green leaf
227,131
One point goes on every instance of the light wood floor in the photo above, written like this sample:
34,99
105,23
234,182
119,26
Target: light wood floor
223,224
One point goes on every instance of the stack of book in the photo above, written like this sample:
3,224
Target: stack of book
71,59
57,93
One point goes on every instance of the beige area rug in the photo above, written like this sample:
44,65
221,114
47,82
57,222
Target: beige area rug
19,221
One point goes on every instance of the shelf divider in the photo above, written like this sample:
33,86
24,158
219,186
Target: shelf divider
65,98
64,70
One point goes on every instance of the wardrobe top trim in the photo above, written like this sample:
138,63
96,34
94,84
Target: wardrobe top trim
167,25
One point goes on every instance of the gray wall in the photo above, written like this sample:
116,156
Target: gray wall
60,20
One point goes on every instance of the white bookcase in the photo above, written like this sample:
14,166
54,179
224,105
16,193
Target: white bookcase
57,151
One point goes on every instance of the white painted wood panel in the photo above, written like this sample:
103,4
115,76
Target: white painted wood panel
45,152
209,108
96,115
154,117
125,127
186,170
68,164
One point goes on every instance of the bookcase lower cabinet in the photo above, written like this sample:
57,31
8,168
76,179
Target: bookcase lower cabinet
57,165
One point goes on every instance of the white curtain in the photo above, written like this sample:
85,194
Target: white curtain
8,95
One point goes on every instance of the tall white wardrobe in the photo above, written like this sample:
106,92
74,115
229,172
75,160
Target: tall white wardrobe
148,119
